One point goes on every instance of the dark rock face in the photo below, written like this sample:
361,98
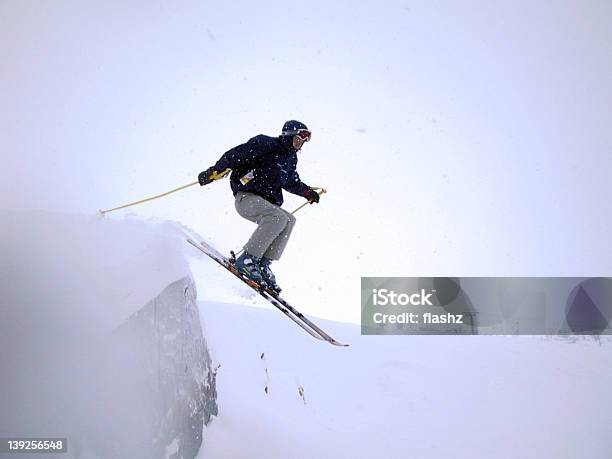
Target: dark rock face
160,381
144,390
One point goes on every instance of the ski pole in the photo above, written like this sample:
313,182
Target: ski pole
104,212
319,191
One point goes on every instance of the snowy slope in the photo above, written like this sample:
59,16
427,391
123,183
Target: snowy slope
385,396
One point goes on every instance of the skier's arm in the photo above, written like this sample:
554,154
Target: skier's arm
296,186
242,155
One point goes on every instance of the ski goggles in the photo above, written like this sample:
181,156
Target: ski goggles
304,134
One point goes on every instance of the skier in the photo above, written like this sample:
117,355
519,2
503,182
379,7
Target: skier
260,169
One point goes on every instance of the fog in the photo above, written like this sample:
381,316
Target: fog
454,139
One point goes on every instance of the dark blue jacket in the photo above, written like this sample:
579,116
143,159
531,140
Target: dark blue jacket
264,166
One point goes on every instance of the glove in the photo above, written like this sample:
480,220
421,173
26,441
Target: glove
312,195
204,177
210,175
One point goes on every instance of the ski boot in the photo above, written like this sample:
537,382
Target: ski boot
248,266
268,275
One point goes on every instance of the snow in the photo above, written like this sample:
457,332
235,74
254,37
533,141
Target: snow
459,140
283,394
89,309
401,396
64,261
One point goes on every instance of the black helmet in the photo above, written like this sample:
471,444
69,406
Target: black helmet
293,127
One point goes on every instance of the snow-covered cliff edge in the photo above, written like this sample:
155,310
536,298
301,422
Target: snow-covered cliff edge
100,337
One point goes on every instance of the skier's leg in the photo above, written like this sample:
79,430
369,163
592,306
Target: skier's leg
271,221
275,250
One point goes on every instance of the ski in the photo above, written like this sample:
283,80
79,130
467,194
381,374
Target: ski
272,297
220,259
306,320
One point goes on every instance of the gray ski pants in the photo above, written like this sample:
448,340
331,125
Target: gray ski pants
274,225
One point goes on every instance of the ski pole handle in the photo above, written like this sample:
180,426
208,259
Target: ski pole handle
319,190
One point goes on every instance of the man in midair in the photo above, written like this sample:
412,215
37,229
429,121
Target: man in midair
260,169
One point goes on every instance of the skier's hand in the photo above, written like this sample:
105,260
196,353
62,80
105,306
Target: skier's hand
204,177
312,196
210,175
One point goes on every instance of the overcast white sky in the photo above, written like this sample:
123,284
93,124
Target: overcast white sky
455,138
